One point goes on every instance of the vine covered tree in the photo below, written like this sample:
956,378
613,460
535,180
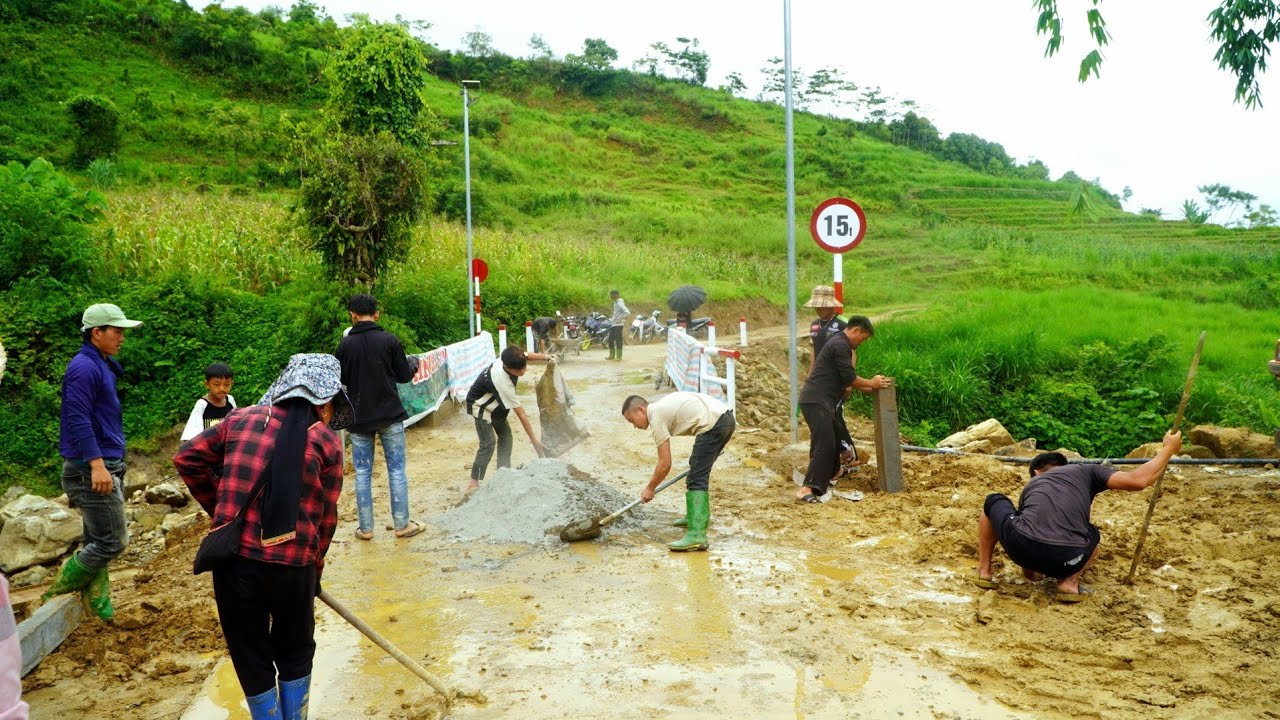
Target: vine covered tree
379,71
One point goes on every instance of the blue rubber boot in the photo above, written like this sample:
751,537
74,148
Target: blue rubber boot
294,696
265,706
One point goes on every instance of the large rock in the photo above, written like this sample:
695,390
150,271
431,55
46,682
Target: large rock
135,480
148,517
169,493
990,430
1234,442
1022,448
1151,449
176,521
36,530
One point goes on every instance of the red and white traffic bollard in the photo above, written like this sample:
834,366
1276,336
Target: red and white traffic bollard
742,331
711,333
528,336
502,338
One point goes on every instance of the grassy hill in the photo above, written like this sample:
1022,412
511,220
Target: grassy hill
1074,327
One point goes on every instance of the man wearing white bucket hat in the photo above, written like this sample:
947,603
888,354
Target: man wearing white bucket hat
281,462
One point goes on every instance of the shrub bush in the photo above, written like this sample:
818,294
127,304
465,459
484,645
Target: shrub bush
97,124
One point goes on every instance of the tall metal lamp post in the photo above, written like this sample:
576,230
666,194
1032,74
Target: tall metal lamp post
791,223
468,85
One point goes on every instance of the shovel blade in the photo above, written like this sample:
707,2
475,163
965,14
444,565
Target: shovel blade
582,530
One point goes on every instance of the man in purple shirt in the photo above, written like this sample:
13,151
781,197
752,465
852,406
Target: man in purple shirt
92,445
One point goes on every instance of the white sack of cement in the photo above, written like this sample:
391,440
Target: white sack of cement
530,504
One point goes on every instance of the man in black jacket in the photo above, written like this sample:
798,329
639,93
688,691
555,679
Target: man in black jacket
832,376
373,361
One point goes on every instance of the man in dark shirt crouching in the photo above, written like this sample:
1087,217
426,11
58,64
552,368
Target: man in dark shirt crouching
1050,533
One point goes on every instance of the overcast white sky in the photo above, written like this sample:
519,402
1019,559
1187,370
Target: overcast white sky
1160,119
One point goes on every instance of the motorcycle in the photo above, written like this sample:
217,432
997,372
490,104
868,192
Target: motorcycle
645,328
572,325
596,329
696,327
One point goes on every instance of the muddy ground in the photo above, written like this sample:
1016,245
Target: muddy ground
846,609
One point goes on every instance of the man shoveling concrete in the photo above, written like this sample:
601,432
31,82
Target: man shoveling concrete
685,413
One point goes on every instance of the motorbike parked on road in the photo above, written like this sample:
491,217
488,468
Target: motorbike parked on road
696,327
644,328
596,330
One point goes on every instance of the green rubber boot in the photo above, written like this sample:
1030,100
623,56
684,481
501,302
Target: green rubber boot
698,511
97,596
72,577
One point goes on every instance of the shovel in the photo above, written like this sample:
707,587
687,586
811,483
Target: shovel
591,529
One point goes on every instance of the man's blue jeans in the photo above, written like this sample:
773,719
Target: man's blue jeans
362,457
106,531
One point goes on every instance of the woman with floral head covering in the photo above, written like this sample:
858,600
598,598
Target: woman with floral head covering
280,460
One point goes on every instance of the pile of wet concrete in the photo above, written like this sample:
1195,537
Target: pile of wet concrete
530,504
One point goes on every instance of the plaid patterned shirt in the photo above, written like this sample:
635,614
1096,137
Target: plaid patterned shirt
222,464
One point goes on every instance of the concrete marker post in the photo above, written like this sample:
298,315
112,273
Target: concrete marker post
502,338
42,633
711,333
528,336
888,444
742,331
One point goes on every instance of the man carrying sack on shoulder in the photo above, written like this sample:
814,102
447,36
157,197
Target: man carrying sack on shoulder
280,463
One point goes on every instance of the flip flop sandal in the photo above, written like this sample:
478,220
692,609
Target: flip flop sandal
810,498
1069,598
413,528
364,535
985,583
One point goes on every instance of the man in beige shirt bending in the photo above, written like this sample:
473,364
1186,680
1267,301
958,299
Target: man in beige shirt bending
685,413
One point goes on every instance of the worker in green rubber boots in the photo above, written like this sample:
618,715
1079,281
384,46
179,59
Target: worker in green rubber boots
685,413
91,440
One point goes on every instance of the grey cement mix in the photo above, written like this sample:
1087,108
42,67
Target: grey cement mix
531,503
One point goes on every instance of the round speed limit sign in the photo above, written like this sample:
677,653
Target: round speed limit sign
838,225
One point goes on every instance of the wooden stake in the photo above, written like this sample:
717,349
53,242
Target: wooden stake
1177,425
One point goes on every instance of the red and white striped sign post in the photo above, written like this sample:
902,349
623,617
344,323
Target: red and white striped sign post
528,336
837,226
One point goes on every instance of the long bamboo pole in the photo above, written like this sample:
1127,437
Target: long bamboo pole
445,691
1177,425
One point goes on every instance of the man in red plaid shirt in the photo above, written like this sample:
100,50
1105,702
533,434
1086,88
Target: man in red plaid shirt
286,449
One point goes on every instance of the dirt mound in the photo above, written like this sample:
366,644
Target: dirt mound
764,391
530,504
153,659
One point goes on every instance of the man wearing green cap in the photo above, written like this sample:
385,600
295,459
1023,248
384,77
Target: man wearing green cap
91,440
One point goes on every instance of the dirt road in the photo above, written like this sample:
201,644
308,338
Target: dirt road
798,611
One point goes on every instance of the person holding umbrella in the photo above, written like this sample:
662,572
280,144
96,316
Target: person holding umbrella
684,300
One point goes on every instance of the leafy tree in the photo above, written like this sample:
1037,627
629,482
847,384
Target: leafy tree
232,125
97,124
379,71
1151,212
828,84
915,131
596,55
541,50
479,44
1082,205
1219,197
1244,29
1264,216
734,84
1192,213
689,63
360,197
43,224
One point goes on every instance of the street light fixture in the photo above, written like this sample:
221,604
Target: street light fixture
468,85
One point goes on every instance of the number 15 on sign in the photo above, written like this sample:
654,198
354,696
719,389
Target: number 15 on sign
837,226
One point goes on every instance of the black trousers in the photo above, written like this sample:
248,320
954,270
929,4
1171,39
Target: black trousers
615,338
824,449
842,431
706,450
490,434
267,613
